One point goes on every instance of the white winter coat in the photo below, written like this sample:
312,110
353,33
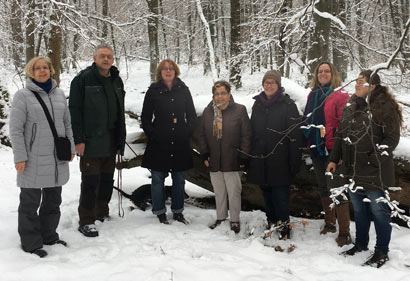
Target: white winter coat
32,139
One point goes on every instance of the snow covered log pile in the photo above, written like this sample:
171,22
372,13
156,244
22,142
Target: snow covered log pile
305,199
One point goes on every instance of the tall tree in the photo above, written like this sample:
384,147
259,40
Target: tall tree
17,34
55,42
340,59
153,37
235,61
319,39
30,26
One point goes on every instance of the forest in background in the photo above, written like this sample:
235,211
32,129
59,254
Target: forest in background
221,35
227,38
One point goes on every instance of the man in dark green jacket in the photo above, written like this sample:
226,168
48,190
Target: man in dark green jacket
97,115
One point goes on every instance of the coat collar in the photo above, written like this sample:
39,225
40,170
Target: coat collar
33,87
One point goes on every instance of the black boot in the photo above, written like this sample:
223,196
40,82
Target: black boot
163,218
180,217
55,242
40,252
352,251
378,259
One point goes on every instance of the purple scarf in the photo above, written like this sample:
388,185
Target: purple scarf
268,102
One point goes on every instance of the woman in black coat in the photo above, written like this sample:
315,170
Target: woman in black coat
276,139
368,134
168,119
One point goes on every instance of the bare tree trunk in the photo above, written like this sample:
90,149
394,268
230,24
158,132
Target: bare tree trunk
30,25
235,63
359,30
105,24
153,37
190,32
281,58
17,35
211,51
339,50
319,39
164,32
55,42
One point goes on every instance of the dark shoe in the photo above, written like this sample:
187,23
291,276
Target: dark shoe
163,218
103,218
328,228
377,259
180,217
283,230
58,241
353,251
235,227
216,223
88,230
343,239
40,252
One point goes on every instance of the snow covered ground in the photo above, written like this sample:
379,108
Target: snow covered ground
137,247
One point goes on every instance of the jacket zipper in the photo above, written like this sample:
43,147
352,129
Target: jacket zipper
33,135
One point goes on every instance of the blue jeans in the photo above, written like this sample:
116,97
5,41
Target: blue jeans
363,214
158,192
276,202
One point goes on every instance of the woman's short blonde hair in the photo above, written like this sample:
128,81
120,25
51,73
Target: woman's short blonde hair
161,65
29,69
336,80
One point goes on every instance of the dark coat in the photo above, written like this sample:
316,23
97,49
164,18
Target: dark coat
168,119
275,133
88,106
236,135
367,150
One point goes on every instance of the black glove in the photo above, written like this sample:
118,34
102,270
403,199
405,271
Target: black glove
205,156
244,164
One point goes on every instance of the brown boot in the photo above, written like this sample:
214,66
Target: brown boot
343,219
330,218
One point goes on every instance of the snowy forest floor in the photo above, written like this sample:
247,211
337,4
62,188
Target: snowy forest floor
138,247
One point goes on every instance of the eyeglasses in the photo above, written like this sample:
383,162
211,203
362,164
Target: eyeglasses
324,71
38,68
362,82
269,83
168,69
221,94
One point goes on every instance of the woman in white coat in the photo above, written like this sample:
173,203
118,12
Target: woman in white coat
40,174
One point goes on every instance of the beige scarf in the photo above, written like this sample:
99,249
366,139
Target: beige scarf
217,124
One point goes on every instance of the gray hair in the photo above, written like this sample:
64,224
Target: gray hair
103,46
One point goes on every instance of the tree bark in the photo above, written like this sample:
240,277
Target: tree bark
55,43
319,39
104,34
340,59
211,51
17,35
153,37
30,26
234,62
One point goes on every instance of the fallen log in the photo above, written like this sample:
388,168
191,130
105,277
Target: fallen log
305,197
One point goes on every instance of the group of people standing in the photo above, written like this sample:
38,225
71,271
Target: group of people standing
354,136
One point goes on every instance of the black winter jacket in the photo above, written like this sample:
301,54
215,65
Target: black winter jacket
89,112
275,133
367,151
168,119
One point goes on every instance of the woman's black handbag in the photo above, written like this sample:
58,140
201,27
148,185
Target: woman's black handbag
63,144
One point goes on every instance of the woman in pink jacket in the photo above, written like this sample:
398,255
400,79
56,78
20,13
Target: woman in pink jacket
322,114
